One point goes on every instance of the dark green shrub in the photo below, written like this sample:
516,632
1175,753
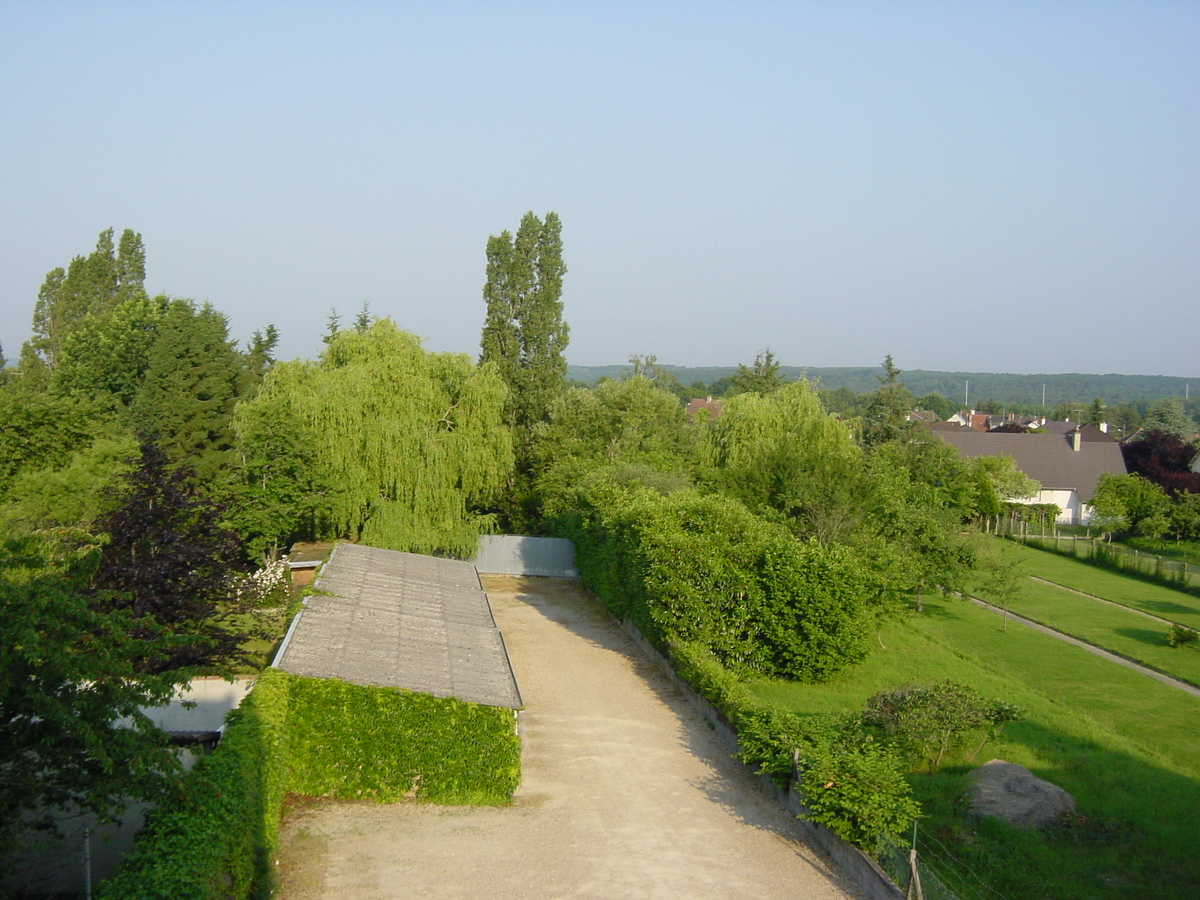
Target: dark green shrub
704,569
858,792
1181,635
927,722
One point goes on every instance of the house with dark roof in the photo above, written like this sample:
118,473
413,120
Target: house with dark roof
1067,466
1087,433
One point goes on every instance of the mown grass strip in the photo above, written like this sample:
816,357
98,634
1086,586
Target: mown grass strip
1121,743
1114,628
1154,599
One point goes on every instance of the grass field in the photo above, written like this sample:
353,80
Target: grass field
1114,628
1121,743
1154,599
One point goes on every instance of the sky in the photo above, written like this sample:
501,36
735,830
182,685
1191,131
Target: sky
979,187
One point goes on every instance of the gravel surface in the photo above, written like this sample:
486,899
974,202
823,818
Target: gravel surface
626,792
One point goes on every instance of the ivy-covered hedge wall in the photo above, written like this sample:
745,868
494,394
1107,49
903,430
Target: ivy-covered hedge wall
319,737
351,742
216,839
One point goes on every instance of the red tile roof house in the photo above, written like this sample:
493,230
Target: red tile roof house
1068,466
711,406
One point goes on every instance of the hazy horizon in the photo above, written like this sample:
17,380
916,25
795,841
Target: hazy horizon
1011,188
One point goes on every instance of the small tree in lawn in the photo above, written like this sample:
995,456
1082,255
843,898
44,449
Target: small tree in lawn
170,559
1002,583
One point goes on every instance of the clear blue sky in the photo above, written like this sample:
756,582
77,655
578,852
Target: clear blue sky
999,186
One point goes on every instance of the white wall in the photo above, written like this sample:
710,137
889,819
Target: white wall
54,866
1072,512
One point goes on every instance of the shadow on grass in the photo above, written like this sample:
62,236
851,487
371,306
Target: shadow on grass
1167,607
1132,836
1151,636
943,608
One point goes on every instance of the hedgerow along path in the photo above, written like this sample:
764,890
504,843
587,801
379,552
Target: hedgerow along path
626,792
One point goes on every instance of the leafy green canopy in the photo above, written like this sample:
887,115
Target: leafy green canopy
91,285
1132,503
781,453
524,333
632,428
70,698
704,569
396,445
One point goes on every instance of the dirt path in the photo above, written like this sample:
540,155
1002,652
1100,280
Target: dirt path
626,792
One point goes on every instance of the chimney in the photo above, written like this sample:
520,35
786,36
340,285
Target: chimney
1076,440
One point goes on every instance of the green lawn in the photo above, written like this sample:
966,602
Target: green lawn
1114,628
1123,744
1159,601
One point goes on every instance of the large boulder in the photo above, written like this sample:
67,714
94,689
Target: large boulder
1012,793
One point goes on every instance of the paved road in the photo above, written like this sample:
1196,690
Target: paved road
626,793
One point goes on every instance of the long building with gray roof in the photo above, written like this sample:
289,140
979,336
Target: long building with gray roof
1067,466
402,620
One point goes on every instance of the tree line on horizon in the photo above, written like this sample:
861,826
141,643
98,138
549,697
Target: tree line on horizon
1124,400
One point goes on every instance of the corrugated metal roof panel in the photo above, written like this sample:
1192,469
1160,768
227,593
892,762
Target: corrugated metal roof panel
402,620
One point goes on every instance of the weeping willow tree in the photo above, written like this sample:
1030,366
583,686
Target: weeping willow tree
395,446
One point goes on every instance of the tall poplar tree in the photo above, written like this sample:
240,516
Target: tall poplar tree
524,334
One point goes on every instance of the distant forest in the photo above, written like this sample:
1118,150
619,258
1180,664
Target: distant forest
975,387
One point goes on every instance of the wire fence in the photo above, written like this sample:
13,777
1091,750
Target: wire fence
928,869
54,861
1174,573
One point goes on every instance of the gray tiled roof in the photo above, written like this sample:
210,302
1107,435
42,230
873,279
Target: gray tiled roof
1048,458
405,621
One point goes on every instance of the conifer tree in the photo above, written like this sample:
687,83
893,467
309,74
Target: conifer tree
89,286
186,397
762,378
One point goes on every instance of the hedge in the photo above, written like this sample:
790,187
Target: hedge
322,738
855,786
704,569
349,742
217,838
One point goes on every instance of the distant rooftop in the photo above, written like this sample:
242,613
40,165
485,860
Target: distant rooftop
402,620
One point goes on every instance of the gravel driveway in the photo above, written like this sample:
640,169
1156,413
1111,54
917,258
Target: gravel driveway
626,792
